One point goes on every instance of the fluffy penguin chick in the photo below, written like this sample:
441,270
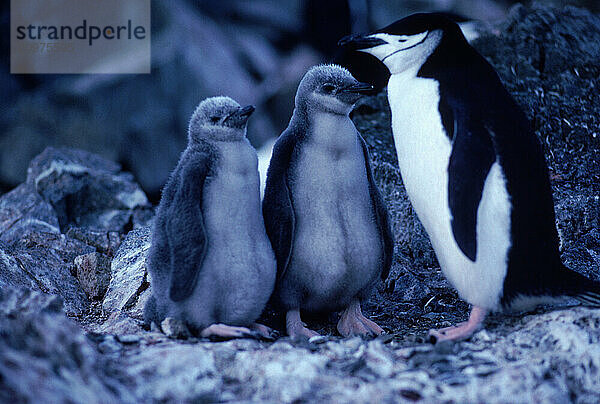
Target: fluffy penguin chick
211,261
473,170
323,213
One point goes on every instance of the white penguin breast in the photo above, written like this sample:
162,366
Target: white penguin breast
423,150
232,212
337,245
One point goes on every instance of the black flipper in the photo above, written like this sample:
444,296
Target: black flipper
465,108
277,206
381,214
470,162
185,218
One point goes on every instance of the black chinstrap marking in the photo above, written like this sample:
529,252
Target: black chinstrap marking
410,47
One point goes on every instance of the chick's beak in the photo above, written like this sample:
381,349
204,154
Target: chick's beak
359,88
246,111
243,113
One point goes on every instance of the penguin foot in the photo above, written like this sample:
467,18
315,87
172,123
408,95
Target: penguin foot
264,331
461,331
223,331
353,322
296,328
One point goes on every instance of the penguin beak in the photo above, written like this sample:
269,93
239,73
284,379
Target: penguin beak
246,111
360,41
243,113
358,88
239,118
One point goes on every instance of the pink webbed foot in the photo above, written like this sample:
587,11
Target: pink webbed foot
296,328
461,331
264,331
353,322
226,332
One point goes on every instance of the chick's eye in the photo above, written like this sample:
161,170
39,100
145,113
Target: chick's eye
328,88
402,39
214,119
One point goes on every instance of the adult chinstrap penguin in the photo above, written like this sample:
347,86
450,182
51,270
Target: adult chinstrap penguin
323,213
211,263
473,170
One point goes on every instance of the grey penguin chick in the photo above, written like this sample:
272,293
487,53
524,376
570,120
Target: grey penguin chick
211,263
323,213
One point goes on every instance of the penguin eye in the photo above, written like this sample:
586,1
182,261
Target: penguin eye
328,88
214,119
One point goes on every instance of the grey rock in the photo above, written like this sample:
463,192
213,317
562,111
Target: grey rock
128,339
495,369
11,275
93,273
137,310
378,360
119,323
85,190
174,373
21,301
129,276
47,258
23,211
104,242
142,218
548,60
45,357
282,375
174,328
109,345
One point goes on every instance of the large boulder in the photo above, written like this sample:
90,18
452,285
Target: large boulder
45,357
74,204
48,258
86,190
24,211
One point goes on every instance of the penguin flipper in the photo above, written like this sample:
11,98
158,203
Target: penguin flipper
278,208
185,223
471,159
381,214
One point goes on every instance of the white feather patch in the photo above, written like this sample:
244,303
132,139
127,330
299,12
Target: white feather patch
423,150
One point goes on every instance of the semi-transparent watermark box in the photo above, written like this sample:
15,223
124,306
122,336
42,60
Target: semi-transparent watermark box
79,36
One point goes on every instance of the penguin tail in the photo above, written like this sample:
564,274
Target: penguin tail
590,298
585,290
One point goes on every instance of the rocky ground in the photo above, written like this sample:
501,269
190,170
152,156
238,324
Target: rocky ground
73,280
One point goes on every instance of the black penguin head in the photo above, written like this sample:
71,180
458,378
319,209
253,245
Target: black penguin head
407,43
329,88
219,118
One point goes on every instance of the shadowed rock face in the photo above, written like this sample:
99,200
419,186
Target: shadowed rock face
73,204
56,238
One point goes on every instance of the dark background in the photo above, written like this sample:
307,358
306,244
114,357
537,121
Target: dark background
255,51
